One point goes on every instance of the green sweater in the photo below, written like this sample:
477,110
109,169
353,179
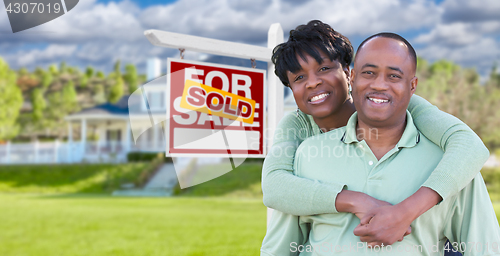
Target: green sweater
464,157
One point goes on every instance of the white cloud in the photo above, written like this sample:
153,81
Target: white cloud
471,11
456,34
98,34
480,54
25,58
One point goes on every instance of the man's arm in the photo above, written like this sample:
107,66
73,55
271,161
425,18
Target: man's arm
471,224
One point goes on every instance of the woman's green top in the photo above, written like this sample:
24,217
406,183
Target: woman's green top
464,156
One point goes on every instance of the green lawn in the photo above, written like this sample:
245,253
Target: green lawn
102,225
224,216
242,182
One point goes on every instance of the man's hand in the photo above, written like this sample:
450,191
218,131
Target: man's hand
383,225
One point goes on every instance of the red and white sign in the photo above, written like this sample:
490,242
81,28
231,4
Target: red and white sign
214,110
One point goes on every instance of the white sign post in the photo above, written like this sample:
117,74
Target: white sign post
238,50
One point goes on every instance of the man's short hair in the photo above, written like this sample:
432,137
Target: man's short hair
394,36
308,39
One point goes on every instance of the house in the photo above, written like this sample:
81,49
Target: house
105,133
108,132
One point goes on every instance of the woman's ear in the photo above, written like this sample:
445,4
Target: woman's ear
347,72
352,75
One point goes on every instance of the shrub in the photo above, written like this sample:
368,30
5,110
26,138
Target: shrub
147,157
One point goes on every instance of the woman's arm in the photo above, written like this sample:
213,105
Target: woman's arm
284,191
464,152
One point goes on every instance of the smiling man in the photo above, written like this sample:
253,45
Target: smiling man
381,153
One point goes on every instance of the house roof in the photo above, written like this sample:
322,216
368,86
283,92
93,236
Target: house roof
119,108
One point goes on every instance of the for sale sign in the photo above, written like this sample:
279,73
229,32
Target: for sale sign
214,110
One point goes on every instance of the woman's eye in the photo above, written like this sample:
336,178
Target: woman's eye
298,78
324,68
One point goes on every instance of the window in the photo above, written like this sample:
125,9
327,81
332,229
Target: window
156,100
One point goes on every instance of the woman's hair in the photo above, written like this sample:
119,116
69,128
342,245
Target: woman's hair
307,40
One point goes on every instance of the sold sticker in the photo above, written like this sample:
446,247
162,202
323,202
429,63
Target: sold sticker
209,100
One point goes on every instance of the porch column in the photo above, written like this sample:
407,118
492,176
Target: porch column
69,145
56,151
70,132
127,137
8,152
84,134
35,151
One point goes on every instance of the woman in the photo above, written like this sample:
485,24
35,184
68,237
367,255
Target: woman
464,151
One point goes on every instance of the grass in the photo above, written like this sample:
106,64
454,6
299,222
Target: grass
72,178
101,225
61,220
243,181
212,218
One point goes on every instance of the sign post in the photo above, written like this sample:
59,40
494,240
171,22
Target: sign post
274,104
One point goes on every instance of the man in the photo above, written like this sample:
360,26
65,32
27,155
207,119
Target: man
387,158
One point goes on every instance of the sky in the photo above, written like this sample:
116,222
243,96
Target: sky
99,32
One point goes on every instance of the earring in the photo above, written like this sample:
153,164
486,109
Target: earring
297,112
350,88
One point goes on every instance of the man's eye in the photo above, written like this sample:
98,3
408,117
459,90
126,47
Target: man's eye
367,72
395,76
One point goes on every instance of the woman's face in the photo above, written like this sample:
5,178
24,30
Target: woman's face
319,89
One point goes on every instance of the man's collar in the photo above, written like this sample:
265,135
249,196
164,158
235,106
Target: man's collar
409,139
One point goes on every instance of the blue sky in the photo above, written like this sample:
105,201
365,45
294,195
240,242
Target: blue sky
99,32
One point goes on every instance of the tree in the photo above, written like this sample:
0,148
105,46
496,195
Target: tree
131,77
63,68
457,91
100,75
84,81
47,79
53,70
117,67
38,103
116,91
89,72
11,101
99,96
37,115
69,100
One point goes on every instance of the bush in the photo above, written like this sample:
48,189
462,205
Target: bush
74,178
147,157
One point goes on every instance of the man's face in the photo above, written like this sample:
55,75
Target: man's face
383,82
319,89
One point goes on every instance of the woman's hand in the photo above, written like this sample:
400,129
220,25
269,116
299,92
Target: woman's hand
383,225
388,224
381,222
